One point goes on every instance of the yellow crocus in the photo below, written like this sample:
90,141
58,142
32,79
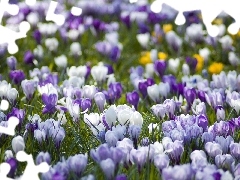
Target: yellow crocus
162,55
200,61
215,68
145,58
167,27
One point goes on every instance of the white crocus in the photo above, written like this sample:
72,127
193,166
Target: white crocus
149,70
92,119
73,34
111,79
75,49
136,119
61,61
62,118
89,91
151,127
233,59
124,116
226,42
12,94
185,69
153,92
74,109
154,55
18,144
99,73
33,18
4,88
236,105
205,52
164,89
173,65
111,116
51,44
38,51
143,39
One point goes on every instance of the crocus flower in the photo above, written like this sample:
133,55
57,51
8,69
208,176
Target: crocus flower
235,150
154,92
13,164
86,103
161,161
159,110
110,116
18,144
19,113
12,62
160,67
139,157
99,73
111,138
108,168
37,36
43,157
142,87
190,95
174,40
100,100
213,149
28,87
61,61
50,102
17,76
89,91
136,119
28,57
77,163
133,98
73,109
215,68
12,95
57,134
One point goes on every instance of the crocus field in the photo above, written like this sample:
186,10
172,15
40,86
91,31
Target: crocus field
121,92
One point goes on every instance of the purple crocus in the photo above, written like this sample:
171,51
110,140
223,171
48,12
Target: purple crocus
17,76
28,87
115,53
43,157
160,67
77,164
170,79
116,89
202,121
190,95
161,161
19,113
133,98
13,165
50,102
57,134
142,87
12,62
28,57
121,177
192,62
86,103
100,100
37,36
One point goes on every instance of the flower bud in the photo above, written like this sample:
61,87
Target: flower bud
18,144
